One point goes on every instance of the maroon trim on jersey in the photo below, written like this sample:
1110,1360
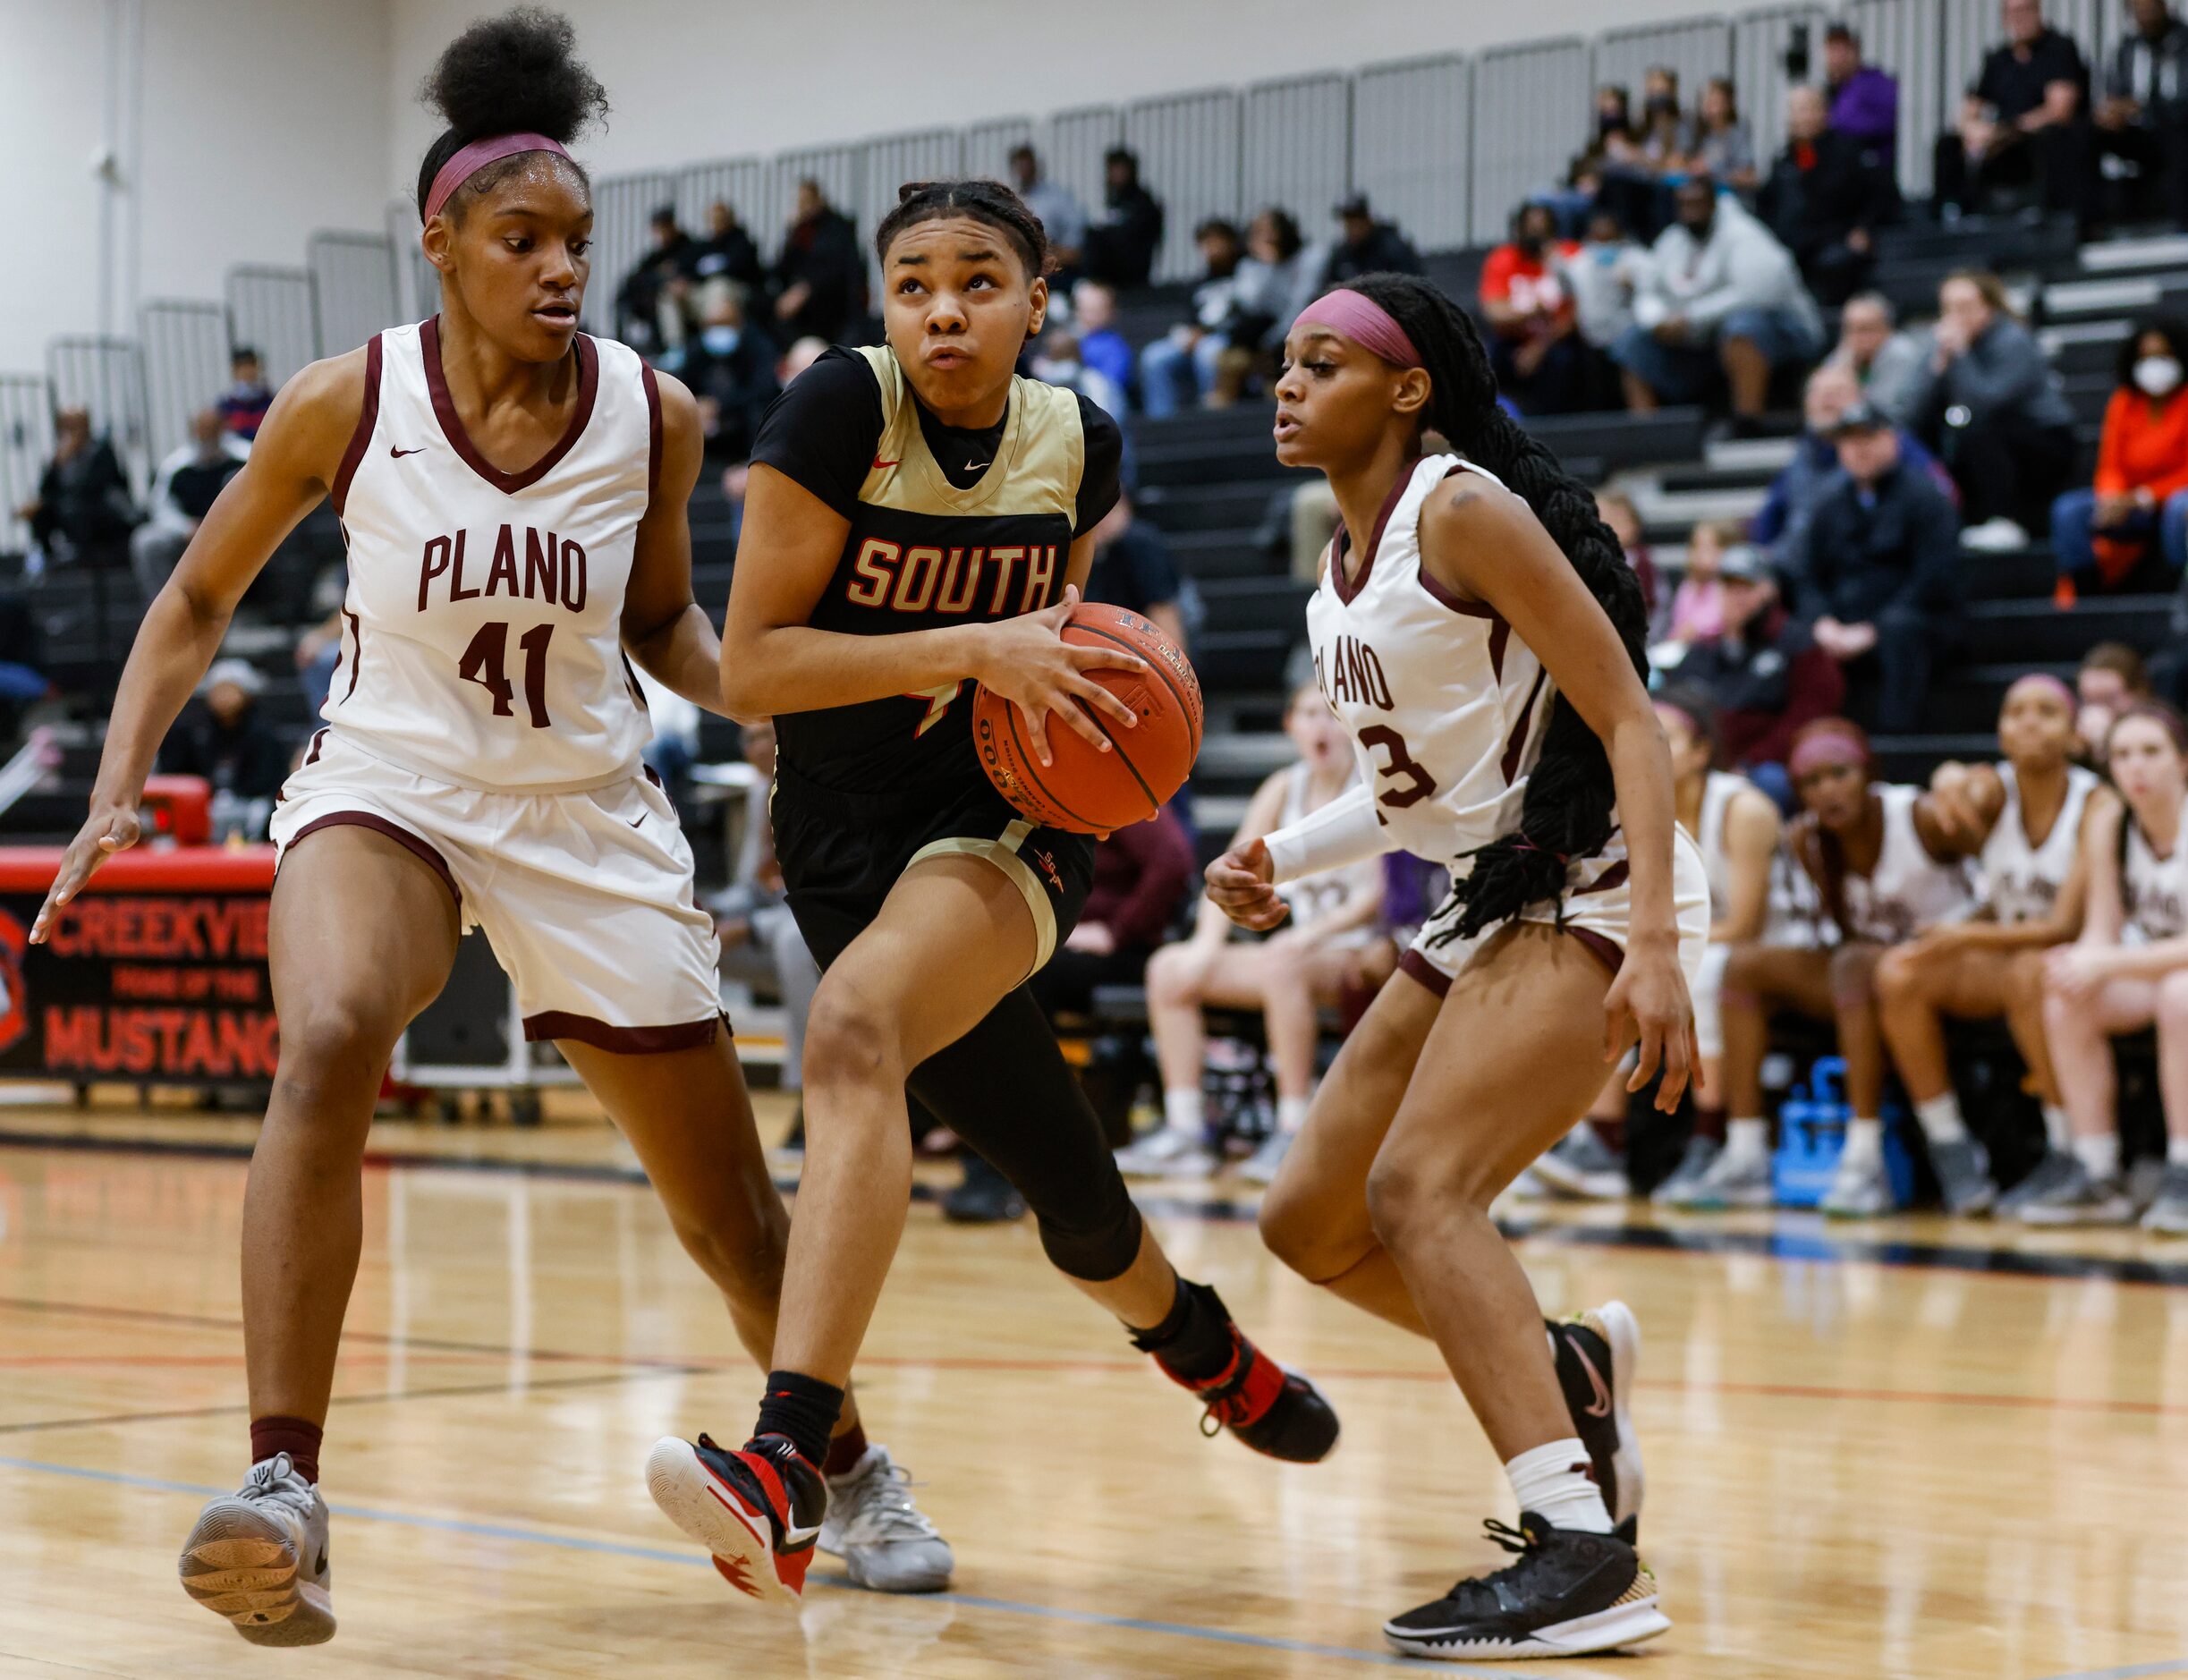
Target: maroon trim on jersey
1444,595
423,850
357,651
1518,743
556,1023
1349,589
368,416
452,423
1613,876
653,431
1605,949
1418,967
318,740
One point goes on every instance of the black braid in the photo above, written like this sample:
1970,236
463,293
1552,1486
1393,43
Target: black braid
1567,813
978,199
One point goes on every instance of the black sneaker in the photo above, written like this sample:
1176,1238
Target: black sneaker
1598,1352
985,1197
1275,1411
1569,1594
757,1510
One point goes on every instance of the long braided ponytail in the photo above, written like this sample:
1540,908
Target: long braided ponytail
1567,813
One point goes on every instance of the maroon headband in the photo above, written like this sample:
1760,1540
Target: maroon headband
2044,679
1358,317
1826,746
470,159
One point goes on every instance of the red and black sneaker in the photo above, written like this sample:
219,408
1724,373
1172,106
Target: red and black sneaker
758,1509
1273,1410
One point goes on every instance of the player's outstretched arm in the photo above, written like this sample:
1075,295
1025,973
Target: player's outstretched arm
298,453
664,628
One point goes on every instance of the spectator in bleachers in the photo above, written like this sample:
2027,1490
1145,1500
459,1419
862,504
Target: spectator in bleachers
2138,501
1667,134
1885,869
1864,99
730,368
1698,604
1278,276
1540,360
242,405
1781,520
1878,570
1615,509
1100,346
1058,360
1367,246
1723,302
726,254
1287,975
182,493
2128,970
1176,368
1134,569
1625,183
2026,818
644,299
1121,243
1604,273
1887,364
2112,677
819,277
2023,135
1991,404
222,738
2143,116
1062,217
82,513
1765,677
1825,199
1724,148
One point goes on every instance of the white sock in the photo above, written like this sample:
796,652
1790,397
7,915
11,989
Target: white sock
1940,1118
1292,1113
1181,1110
2176,1151
1558,1483
1747,1140
2058,1130
2099,1155
1864,1142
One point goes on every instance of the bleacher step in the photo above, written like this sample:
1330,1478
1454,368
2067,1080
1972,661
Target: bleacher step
2162,251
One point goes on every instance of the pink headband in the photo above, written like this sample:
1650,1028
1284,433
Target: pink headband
1355,316
1826,746
2044,679
470,159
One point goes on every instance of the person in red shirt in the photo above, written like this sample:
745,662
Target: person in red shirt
1540,359
2140,499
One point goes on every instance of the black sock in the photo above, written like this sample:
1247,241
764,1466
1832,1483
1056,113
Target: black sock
802,1409
1195,1339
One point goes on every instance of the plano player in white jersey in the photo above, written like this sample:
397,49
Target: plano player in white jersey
1576,917
513,495
2127,970
2028,814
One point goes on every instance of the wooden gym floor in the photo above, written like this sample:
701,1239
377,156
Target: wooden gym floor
1921,1450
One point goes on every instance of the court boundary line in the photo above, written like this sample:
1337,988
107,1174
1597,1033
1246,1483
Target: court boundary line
654,1554
2134,1671
1804,1242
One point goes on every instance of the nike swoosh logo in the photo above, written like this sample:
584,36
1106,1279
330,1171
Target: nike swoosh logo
399,454
976,466
881,465
639,818
793,1538
1600,1406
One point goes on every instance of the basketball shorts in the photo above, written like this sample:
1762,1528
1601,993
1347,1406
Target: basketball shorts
586,898
841,852
1599,907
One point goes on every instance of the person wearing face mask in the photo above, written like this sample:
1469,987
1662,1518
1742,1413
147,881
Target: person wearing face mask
2139,499
730,368
1538,355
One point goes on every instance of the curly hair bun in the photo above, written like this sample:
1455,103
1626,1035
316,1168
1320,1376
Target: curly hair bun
518,73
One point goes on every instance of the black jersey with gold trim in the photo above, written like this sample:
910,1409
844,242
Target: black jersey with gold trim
947,527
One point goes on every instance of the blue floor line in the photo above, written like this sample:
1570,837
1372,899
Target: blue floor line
654,1554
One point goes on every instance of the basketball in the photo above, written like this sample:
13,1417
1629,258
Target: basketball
1086,791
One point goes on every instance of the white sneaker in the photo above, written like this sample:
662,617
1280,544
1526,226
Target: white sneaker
1994,536
1166,1153
1859,1190
1581,1164
887,1541
1736,1179
1260,1166
258,1557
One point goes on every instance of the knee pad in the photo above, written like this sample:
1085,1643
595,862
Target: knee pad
1092,1249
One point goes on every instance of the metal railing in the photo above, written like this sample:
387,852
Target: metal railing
26,444
622,206
353,279
274,311
185,344
1296,149
105,375
1189,141
1531,111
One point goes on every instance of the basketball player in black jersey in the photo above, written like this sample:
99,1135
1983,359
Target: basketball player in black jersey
919,521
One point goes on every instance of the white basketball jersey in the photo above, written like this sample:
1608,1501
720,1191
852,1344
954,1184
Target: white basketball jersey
2020,882
1717,795
1312,896
1908,890
1446,708
482,628
2154,890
